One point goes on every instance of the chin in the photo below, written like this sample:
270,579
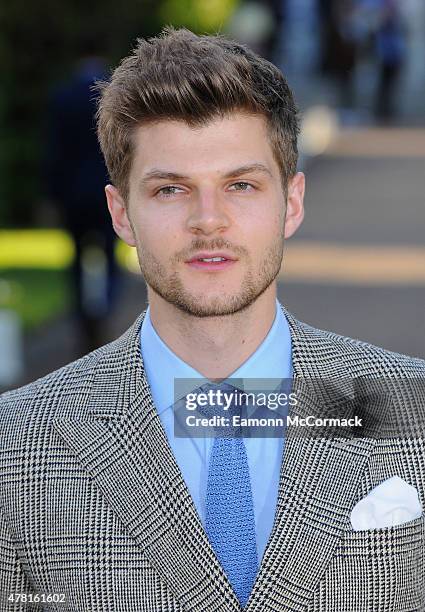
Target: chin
212,306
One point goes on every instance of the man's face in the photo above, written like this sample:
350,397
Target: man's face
213,191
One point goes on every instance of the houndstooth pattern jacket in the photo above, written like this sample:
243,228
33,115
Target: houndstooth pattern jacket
93,504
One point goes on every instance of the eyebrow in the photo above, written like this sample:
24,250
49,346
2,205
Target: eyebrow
158,174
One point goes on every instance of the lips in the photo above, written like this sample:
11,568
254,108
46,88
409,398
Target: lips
211,266
204,255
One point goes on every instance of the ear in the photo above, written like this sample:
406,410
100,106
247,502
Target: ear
119,214
294,204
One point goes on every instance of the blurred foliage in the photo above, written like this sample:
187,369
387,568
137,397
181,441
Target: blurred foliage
36,296
36,248
198,15
39,44
38,47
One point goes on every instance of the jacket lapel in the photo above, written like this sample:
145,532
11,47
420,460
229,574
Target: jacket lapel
121,443
318,481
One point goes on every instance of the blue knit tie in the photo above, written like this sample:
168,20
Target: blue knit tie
230,522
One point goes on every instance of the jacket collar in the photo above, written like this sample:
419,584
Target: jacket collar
119,372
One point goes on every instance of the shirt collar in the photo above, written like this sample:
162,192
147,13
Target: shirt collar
271,360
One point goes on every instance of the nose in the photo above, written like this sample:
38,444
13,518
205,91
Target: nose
208,214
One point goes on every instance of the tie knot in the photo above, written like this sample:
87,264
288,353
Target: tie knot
221,403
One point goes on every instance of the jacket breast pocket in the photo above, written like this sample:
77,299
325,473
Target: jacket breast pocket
404,539
376,570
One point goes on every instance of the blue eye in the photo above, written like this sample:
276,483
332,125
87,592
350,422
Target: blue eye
244,186
167,191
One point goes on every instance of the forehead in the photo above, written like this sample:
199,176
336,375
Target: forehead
236,139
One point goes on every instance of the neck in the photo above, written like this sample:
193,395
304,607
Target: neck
214,346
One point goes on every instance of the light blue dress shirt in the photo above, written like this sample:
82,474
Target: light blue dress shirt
272,359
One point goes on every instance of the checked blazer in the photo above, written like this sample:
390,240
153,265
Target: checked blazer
93,504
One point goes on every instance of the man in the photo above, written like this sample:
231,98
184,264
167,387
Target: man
101,504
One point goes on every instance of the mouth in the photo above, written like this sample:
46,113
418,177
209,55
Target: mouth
211,261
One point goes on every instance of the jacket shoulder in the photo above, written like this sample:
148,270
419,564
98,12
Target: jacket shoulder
69,383
364,359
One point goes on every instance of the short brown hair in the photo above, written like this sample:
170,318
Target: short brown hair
179,75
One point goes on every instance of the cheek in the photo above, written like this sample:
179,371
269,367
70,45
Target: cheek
268,218
266,228
157,235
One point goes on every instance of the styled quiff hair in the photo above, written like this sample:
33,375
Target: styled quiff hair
181,76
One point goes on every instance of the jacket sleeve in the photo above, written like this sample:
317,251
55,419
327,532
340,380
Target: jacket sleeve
12,577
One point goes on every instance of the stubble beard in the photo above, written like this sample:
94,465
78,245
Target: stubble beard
170,286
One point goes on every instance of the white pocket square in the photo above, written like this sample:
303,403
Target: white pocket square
393,502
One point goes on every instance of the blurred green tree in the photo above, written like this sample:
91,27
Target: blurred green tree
198,15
